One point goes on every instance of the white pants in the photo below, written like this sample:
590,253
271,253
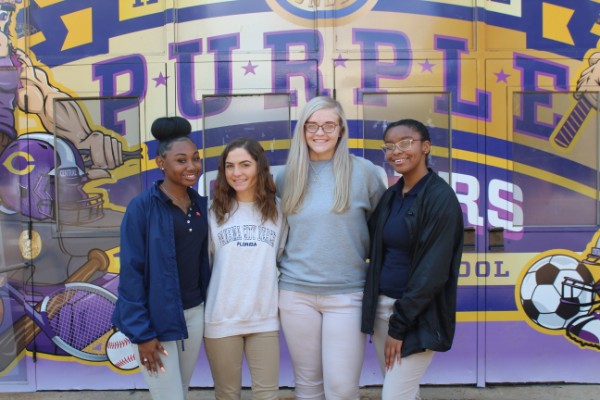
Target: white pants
179,365
325,343
402,381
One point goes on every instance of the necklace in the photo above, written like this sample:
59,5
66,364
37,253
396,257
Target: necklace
182,204
315,174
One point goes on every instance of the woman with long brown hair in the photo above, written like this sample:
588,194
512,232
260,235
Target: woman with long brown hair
241,309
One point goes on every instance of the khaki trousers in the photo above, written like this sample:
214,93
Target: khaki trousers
262,355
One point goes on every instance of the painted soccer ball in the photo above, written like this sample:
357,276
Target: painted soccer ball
541,291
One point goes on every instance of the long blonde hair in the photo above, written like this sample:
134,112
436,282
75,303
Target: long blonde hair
298,161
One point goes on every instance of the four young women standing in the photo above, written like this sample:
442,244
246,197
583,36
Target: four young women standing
327,197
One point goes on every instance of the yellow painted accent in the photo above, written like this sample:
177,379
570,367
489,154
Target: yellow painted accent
525,170
497,162
8,163
595,29
79,28
495,316
36,38
500,316
504,268
556,179
9,368
114,263
555,23
70,359
190,3
46,3
128,11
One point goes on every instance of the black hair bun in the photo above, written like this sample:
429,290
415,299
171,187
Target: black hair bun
170,127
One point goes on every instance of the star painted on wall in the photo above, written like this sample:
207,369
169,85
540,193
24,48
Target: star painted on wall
427,66
249,68
501,76
160,80
339,61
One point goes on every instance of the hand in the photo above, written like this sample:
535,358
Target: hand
392,352
588,85
150,355
105,152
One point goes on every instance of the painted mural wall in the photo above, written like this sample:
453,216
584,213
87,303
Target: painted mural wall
508,89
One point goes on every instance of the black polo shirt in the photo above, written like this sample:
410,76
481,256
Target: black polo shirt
190,231
396,241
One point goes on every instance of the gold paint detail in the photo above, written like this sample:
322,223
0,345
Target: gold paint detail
30,248
555,21
8,163
79,28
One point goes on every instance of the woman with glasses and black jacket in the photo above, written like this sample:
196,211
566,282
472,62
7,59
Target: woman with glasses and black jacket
409,302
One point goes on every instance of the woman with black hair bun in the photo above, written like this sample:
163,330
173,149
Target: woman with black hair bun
164,266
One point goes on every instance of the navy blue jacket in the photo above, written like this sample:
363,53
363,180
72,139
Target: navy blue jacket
149,304
425,316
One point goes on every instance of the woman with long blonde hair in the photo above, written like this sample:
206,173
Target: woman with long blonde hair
327,196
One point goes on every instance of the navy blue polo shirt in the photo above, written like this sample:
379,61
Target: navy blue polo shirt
190,231
396,241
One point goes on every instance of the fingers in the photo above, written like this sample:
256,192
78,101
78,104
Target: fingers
392,352
595,58
97,173
110,148
23,58
106,152
162,350
158,361
153,363
389,358
149,353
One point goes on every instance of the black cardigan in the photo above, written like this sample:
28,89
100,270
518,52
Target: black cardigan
425,316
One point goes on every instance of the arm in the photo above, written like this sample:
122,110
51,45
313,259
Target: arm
377,185
207,254
65,118
135,316
133,296
441,217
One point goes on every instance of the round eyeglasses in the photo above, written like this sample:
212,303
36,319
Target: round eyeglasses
313,127
402,145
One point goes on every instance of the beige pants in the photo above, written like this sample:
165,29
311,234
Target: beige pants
181,361
325,343
402,381
262,355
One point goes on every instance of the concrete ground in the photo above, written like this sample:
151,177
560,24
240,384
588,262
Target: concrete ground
508,392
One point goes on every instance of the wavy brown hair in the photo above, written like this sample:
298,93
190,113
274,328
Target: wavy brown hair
224,201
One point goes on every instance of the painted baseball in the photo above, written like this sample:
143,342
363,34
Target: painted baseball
120,352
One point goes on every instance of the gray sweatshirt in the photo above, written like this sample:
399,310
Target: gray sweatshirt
325,252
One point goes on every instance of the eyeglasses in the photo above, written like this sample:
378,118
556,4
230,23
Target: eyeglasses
313,127
402,145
